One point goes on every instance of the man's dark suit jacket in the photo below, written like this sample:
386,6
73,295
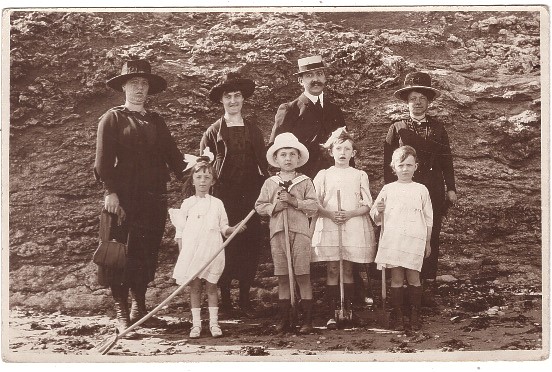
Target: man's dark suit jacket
300,118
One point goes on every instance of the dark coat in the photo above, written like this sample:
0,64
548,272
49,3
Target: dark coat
133,156
216,137
299,117
122,152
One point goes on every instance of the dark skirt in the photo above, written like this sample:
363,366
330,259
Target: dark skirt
242,254
146,220
436,187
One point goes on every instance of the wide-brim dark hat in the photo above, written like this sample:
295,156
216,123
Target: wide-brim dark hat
309,64
232,82
418,81
138,68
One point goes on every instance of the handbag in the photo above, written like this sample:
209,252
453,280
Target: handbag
110,253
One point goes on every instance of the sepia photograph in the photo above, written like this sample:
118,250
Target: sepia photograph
270,184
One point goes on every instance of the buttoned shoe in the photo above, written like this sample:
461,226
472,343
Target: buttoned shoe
195,332
215,330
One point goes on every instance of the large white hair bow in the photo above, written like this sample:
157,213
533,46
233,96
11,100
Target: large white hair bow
192,159
334,136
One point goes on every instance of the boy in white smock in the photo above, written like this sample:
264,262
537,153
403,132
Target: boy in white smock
404,210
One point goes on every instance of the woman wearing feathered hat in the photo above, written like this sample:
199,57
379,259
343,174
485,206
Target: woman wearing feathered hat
435,168
134,154
241,168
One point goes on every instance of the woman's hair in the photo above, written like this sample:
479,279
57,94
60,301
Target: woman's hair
429,94
343,136
202,164
400,154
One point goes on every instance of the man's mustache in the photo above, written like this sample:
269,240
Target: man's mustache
315,83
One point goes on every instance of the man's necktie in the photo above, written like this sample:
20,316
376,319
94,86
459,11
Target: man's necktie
318,107
318,104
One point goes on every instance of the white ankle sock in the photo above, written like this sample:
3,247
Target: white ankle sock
213,315
196,316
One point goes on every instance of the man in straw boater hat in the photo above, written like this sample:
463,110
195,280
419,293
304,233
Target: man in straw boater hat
134,154
311,117
241,168
435,169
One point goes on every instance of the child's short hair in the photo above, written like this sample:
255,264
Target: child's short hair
403,152
286,148
202,164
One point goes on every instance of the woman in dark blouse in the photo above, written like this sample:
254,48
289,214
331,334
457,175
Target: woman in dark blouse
435,168
134,153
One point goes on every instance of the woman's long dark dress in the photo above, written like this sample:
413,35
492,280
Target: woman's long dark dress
241,167
239,190
133,156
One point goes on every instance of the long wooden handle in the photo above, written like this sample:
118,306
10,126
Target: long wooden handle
383,279
182,286
289,260
383,286
340,240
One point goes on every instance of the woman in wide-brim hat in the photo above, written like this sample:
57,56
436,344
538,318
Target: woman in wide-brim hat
134,154
435,170
232,82
138,68
417,82
241,167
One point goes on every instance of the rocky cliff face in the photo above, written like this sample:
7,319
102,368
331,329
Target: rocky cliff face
486,63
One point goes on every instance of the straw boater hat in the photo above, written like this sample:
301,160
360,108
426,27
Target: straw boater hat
418,81
284,140
309,64
138,68
232,82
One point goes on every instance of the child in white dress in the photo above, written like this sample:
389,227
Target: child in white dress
200,224
358,240
403,208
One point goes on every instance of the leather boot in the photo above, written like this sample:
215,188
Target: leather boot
244,301
225,300
138,309
332,297
396,318
406,301
428,293
284,325
306,306
120,297
415,294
